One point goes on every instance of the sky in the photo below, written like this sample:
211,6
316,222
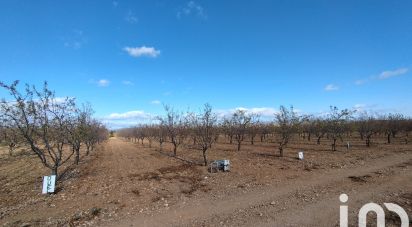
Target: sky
129,58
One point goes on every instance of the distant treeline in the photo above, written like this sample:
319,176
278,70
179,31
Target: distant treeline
203,129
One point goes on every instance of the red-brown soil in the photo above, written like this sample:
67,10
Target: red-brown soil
129,184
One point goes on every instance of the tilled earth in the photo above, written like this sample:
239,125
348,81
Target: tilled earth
129,184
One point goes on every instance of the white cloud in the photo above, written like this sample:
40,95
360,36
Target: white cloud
393,73
156,102
135,114
103,83
383,75
267,113
142,51
127,119
127,82
375,110
331,87
361,82
75,39
131,18
192,8
62,99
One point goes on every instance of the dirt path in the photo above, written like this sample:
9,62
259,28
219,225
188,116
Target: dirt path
304,201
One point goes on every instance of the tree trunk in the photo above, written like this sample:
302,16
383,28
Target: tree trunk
77,157
204,156
281,151
238,146
87,150
334,145
318,141
54,172
174,149
11,147
389,138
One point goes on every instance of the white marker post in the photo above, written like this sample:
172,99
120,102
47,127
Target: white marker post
49,183
300,155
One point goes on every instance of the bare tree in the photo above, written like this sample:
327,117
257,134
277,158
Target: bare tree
160,135
205,130
241,121
141,133
366,127
391,125
254,128
42,121
94,133
287,121
47,125
336,124
228,128
80,130
176,127
9,135
264,130
319,126
308,127
150,133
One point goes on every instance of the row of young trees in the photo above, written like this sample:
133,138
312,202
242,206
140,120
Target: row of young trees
203,129
54,129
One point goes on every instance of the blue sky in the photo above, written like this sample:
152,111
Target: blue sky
127,58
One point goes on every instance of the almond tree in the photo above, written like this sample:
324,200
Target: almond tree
141,133
205,130
319,126
287,124
176,127
41,121
95,132
336,124
241,121
392,124
228,129
160,135
254,128
150,133
9,135
80,131
367,127
264,131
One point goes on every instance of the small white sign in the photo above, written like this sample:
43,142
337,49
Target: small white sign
49,183
226,165
300,155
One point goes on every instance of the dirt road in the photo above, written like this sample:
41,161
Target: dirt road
304,201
